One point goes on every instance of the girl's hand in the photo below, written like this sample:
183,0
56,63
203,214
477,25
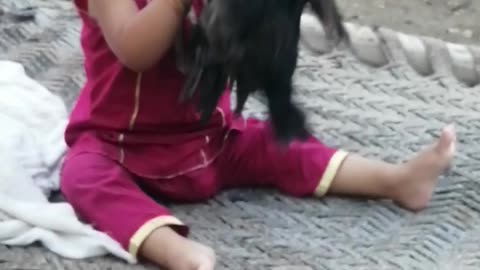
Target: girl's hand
139,38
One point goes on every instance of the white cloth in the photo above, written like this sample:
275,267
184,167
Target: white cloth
32,122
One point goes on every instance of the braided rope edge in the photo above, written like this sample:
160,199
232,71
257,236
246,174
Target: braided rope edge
373,46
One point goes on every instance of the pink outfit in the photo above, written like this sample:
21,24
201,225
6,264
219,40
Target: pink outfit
127,130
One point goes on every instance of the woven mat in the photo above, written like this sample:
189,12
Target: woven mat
385,112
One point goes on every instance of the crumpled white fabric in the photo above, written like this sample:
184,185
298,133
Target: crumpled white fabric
32,122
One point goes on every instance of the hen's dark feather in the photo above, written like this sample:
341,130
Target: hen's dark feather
254,44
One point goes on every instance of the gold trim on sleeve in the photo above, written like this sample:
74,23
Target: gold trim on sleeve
330,173
146,229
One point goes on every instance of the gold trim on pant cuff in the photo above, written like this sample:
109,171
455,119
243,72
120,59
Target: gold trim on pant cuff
146,229
330,173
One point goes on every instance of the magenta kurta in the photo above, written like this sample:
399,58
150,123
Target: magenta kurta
133,117
127,130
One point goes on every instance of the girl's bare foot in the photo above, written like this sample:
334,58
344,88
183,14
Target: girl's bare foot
418,176
168,249
192,255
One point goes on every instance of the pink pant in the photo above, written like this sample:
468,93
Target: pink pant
108,196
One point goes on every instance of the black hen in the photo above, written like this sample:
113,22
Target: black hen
255,45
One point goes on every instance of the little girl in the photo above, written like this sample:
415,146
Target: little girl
128,134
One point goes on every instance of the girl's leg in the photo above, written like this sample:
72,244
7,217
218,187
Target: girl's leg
167,248
105,195
310,168
410,183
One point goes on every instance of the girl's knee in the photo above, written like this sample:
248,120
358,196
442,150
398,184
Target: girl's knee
69,179
76,175
105,195
86,179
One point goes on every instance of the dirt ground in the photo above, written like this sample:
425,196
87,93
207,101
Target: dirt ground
451,20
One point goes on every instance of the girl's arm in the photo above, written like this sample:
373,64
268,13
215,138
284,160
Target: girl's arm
139,38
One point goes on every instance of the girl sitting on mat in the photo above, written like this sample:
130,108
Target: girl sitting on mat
128,134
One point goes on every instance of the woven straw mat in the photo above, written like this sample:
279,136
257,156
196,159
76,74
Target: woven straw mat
387,110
